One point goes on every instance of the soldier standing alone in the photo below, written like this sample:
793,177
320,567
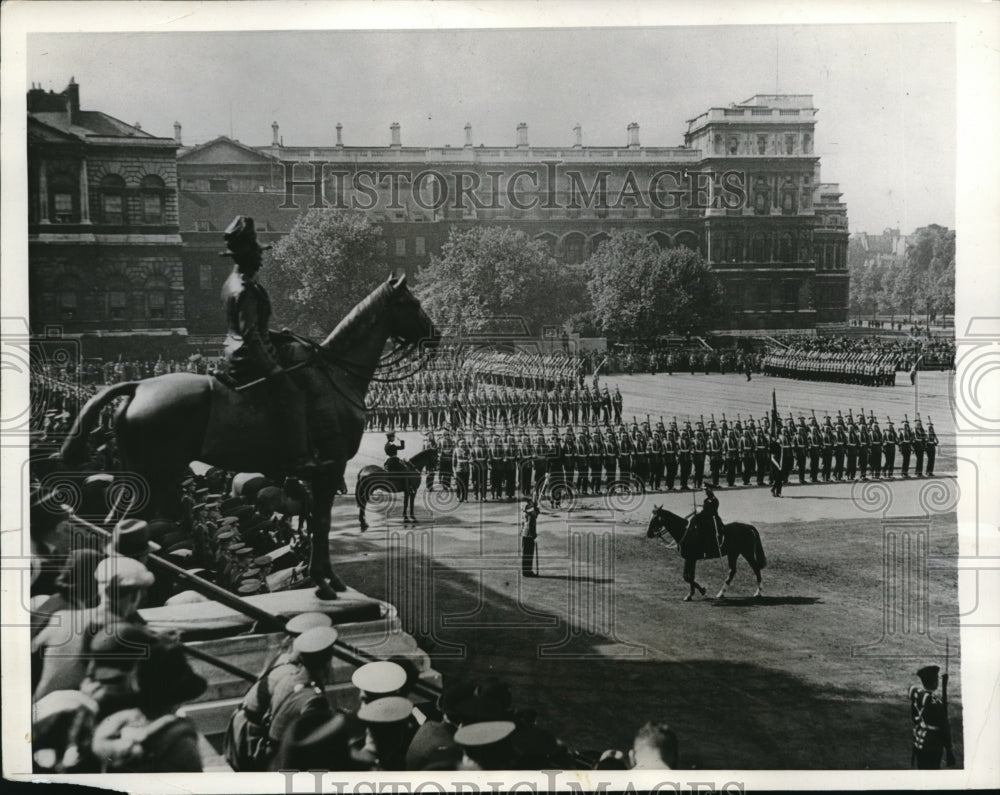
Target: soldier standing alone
529,533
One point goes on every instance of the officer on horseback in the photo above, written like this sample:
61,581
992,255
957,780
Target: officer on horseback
392,448
249,350
708,520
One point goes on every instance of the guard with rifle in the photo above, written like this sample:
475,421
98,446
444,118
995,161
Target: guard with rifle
931,732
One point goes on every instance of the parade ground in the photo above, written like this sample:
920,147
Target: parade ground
858,593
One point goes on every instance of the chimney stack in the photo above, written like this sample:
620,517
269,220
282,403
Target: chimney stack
577,135
275,140
522,134
633,135
468,134
340,128
72,94
177,131
394,129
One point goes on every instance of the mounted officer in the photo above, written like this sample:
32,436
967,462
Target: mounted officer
709,523
249,350
392,448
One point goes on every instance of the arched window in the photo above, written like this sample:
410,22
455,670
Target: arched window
732,247
757,248
733,145
157,292
64,199
112,189
787,247
116,294
154,194
548,240
688,239
573,248
598,240
662,239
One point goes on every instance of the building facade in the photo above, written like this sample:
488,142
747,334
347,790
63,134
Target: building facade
104,238
744,190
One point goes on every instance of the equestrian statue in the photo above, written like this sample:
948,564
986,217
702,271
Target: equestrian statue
706,536
283,405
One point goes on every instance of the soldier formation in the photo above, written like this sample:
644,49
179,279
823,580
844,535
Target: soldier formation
504,461
865,369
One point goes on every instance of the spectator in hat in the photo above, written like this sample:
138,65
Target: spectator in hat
131,540
61,646
486,745
316,742
62,728
111,658
654,747
75,586
379,679
151,737
50,538
388,732
291,688
433,746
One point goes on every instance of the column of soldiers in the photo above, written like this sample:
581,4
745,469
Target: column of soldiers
503,461
867,369
457,403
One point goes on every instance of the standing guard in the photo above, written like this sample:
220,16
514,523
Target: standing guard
932,444
889,440
529,533
875,447
919,446
905,446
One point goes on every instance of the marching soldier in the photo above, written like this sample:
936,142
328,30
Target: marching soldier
480,466
905,446
596,458
526,458
670,457
889,440
730,453
776,461
851,448
919,446
611,455
787,454
640,457
932,443
509,463
684,457
699,450
761,456
446,458
430,443
540,466
655,453
875,448
617,403
715,457
583,461
801,446
815,448
529,533
864,448
496,452
839,450
827,451
569,443
748,454
624,454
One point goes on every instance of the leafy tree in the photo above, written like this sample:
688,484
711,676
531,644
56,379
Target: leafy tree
316,274
640,290
488,272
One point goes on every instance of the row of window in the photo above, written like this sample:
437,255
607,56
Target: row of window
762,144
763,294
401,246
117,204
115,301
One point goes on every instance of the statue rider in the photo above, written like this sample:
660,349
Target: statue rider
249,351
392,447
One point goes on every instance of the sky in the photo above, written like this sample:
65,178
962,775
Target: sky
885,92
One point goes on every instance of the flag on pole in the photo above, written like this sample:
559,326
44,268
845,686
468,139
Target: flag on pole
775,420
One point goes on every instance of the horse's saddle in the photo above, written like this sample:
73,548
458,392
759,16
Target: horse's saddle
292,350
711,535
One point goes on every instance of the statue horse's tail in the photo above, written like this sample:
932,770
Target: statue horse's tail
758,549
74,449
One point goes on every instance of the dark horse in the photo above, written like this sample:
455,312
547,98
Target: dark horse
373,478
169,421
739,539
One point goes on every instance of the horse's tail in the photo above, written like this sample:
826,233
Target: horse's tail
74,449
758,549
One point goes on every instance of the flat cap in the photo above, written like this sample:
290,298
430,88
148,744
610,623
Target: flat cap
391,709
315,640
485,733
305,621
127,572
379,677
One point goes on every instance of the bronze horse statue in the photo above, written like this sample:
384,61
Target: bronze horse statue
169,421
694,544
406,479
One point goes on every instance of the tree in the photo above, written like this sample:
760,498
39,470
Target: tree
490,272
328,262
640,290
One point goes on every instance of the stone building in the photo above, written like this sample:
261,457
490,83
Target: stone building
744,190
104,243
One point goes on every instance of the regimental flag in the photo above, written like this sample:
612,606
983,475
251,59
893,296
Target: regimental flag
775,418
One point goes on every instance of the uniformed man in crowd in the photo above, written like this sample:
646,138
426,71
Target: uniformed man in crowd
839,449
597,453
670,451
762,458
876,447
480,455
430,443
776,463
800,443
529,534
932,444
748,455
446,458
826,452
509,463
787,453
684,456
715,456
815,450
462,466
625,451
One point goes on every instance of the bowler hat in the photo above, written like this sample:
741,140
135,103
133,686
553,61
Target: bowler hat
131,539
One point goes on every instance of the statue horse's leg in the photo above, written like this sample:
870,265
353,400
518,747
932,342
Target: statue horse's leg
324,486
